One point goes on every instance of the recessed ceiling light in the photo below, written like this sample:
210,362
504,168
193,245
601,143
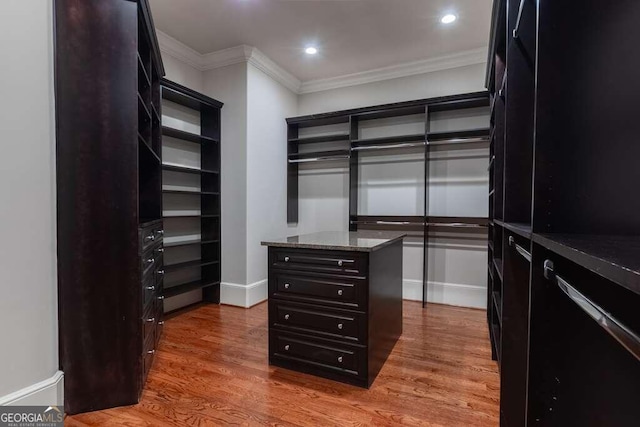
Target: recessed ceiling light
311,50
448,18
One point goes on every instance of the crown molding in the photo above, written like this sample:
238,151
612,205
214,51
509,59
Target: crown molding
445,62
179,50
253,56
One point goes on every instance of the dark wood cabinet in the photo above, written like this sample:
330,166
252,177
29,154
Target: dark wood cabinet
335,314
110,231
564,276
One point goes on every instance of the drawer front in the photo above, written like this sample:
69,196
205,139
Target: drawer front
349,263
159,318
149,323
149,236
147,357
338,291
149,292
318,353
336,324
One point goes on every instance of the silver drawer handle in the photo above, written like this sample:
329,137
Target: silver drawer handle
151,351
151,260
161,232
150,288
286,347
151,319
286,259
340,292
161,322
160,250
339,359
340,325
286,317
150,237
161,297
160,271
286,285
340,263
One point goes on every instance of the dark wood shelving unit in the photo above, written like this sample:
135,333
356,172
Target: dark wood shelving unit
109,200
565,212
208,193
415,226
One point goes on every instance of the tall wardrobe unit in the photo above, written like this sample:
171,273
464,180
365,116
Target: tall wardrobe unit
109,199
564,250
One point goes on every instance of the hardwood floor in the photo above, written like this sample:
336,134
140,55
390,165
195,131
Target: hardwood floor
212,369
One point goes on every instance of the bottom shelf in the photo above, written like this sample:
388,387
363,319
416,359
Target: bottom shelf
187,287
497,304
495,341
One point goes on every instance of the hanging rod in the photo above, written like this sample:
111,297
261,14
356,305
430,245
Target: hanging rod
319,159
459,141
388,223
432,224
384,147
518,20
619,331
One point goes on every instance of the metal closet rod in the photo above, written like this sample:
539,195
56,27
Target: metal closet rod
389,146
433,224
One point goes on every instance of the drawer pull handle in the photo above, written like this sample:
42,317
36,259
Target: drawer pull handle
286,347
340,325
151,351
150,288
286,286
160,271
160,250
161,297
339,359
150,238
286,259
161,322
340,263
151,319
161,232
340,292
151,261
286,317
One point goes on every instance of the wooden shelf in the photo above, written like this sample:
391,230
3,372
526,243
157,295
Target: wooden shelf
186,97
142,141
521,229
187,136
389,140
616,258
202,193
320,139
187,287
155,112
319,154
142,108
471,136
189,264
184,169
497,304
497,262
142,72
190,216
495,335
189,243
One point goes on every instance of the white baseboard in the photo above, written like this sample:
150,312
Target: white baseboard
45,393
446,293
243,295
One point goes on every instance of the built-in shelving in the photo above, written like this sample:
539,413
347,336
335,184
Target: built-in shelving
320,139
192,215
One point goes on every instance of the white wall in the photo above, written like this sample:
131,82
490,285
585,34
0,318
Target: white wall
229,85
28,305
182,73
269,103
392,183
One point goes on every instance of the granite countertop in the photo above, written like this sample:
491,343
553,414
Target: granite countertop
356,241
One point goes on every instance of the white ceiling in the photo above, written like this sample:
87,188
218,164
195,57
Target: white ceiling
352,35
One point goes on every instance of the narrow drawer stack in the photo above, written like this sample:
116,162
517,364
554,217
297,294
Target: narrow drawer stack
318,313
151,264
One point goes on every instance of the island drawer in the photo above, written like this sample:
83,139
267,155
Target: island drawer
318,353
338,291
318,320
350,263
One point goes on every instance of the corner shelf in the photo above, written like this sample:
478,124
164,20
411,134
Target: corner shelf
187,136
197,193
184,169
189,243
172,291
189,264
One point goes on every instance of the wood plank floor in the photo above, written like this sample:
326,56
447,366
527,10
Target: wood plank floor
211,368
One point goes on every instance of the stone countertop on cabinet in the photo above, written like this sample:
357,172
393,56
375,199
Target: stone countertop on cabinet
355,241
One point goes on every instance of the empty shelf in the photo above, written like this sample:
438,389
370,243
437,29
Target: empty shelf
186,242
142,109
520,228
616,258
148,149
142,73
319,139
477,136
189,264
185,169
498,264
203,193
395,140
497,303
186,136
190,286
